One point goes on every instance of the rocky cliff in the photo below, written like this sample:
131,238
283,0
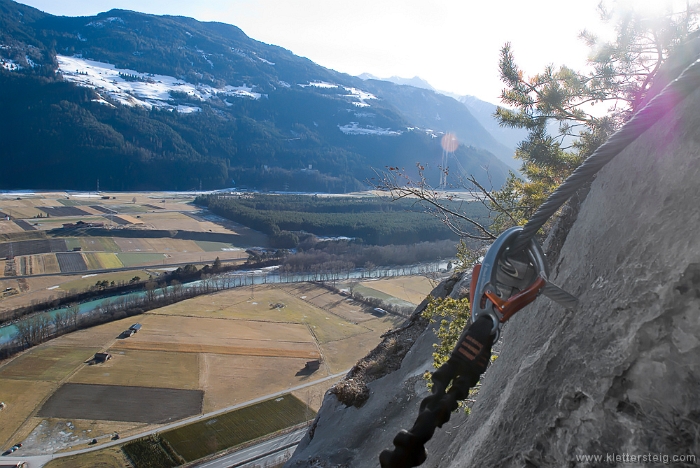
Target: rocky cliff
618,378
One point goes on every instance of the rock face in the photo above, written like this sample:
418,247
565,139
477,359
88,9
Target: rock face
618,378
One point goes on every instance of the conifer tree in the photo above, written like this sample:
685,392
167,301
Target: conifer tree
621,75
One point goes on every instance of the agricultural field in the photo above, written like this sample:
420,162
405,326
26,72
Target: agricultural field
121,403
45,214
411,289
21,404
228,430
144,369
141,259
71,262
102,261
46,363
107,458
37,264
200,355
8,226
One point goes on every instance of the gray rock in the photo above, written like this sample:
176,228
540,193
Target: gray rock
618,377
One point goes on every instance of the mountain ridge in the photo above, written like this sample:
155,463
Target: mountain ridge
267,113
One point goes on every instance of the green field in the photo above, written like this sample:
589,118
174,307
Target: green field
73,243
208,246
98,244
369,293
135,259
102,261
237,427
151,452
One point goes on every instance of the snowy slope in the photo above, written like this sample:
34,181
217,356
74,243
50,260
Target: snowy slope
131,88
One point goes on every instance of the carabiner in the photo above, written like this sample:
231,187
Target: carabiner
506,281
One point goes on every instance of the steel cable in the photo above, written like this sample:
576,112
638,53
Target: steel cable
660,105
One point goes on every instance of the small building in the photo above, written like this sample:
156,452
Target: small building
102,357
135,327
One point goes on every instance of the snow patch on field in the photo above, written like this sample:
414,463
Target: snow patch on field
131,88
353,128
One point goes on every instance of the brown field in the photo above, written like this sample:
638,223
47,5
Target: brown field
238,304
412,289
343,354
49,262
47,362
171,220
21,397
8,226
324,299
101,336
201,335
112,457
228,380
229,346
37,264
250,348
233,304
143,369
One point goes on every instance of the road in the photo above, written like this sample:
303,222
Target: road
38,461
257,453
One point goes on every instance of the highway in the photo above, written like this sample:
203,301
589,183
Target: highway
257,453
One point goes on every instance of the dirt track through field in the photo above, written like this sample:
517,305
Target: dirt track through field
292,350
119,403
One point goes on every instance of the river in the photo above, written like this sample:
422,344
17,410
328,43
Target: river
238,279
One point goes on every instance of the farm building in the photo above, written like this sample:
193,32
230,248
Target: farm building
135,327
102,357
128,333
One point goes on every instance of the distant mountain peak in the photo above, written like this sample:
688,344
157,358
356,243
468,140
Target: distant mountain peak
416,81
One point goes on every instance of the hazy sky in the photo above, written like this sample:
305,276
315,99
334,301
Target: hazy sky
453,44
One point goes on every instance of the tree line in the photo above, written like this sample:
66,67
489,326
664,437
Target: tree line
376,222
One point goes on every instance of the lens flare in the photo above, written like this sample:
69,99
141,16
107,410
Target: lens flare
449,142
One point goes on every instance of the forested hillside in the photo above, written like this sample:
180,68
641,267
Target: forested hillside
147,102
